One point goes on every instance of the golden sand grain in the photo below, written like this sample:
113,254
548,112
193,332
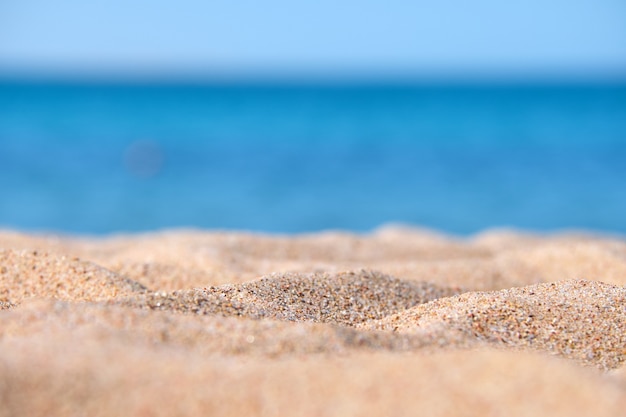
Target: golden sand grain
582,320
345,298
228,324
27,274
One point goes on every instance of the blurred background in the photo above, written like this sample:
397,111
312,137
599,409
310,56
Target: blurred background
282,116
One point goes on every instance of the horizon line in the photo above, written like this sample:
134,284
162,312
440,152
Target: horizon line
15,75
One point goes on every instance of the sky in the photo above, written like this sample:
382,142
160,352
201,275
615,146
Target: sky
494,38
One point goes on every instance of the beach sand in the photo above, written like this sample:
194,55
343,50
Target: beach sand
400,321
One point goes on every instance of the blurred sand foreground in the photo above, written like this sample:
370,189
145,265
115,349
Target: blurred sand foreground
399,322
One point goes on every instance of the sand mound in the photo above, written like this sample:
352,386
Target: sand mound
582,320
27,274
346,298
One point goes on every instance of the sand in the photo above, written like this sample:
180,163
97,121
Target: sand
400,321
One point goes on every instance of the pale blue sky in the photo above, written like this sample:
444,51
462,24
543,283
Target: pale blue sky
315,37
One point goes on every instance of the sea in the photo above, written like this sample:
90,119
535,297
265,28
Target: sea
109,157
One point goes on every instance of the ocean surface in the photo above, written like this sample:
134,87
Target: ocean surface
103,158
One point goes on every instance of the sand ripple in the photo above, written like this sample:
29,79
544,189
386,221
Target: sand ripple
578,319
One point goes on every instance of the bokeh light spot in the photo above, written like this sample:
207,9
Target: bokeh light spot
144,159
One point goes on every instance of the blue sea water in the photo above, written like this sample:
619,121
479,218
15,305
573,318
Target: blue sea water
101,158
